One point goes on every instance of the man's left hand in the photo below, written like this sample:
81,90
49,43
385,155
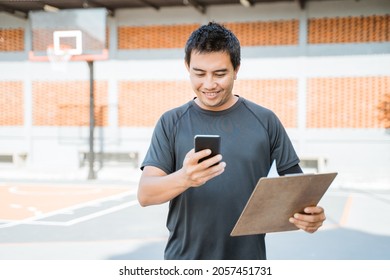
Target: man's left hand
311,220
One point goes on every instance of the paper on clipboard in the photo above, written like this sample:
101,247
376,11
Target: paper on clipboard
274,200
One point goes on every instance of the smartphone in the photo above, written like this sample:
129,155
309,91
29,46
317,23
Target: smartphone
212,142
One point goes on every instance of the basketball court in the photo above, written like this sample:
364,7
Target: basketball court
102,220
58,205
75,220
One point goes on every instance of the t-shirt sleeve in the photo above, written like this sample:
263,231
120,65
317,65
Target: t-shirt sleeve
282,149
160,152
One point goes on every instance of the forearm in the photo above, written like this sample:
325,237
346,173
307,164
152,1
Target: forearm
156,187
160,188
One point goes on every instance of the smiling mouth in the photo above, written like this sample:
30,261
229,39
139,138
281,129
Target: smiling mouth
211,94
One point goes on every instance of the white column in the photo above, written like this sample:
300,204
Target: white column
302,82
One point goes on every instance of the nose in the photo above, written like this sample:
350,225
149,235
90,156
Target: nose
209,82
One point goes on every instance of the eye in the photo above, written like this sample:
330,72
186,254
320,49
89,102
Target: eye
199,74
220,75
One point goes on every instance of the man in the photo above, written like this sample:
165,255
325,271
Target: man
206,199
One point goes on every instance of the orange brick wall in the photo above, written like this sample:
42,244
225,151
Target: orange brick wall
374,28
345,102
141,103
384,110
276,94
331,102
58,103
283,32
348,102
154,37
11,40
11,103
266,33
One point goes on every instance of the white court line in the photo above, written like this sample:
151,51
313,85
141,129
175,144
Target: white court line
86,217
74,207
16,190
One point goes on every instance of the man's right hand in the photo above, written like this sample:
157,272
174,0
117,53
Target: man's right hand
197,173
156,187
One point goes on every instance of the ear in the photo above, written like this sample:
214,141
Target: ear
187,66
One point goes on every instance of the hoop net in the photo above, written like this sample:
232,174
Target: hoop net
59,58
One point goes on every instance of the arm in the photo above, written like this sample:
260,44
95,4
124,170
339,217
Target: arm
313,217
292,170
156,187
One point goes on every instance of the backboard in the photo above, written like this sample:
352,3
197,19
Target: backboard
70,34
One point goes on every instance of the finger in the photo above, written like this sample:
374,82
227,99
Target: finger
313,210
310,218
189,155
211,161
210,173
307,221
309,229
213,170
312,214
201,154
306,226
193,157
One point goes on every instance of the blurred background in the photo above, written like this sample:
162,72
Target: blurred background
322,66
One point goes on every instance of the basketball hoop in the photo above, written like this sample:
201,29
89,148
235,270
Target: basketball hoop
62,37
59,58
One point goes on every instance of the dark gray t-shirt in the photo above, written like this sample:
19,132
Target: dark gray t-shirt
200,219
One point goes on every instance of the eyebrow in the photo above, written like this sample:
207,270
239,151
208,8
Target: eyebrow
218,70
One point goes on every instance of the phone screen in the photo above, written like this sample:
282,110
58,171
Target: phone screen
212,142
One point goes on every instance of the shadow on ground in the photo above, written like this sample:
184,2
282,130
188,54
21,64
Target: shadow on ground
151,251
336,244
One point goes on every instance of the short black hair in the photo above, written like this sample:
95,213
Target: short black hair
214,37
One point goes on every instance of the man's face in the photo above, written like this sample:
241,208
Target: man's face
212,77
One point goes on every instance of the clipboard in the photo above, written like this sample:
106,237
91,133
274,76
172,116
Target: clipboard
275,200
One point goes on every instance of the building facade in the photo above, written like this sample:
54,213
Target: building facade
323,70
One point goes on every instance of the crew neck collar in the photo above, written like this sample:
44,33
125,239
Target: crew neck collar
209,112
